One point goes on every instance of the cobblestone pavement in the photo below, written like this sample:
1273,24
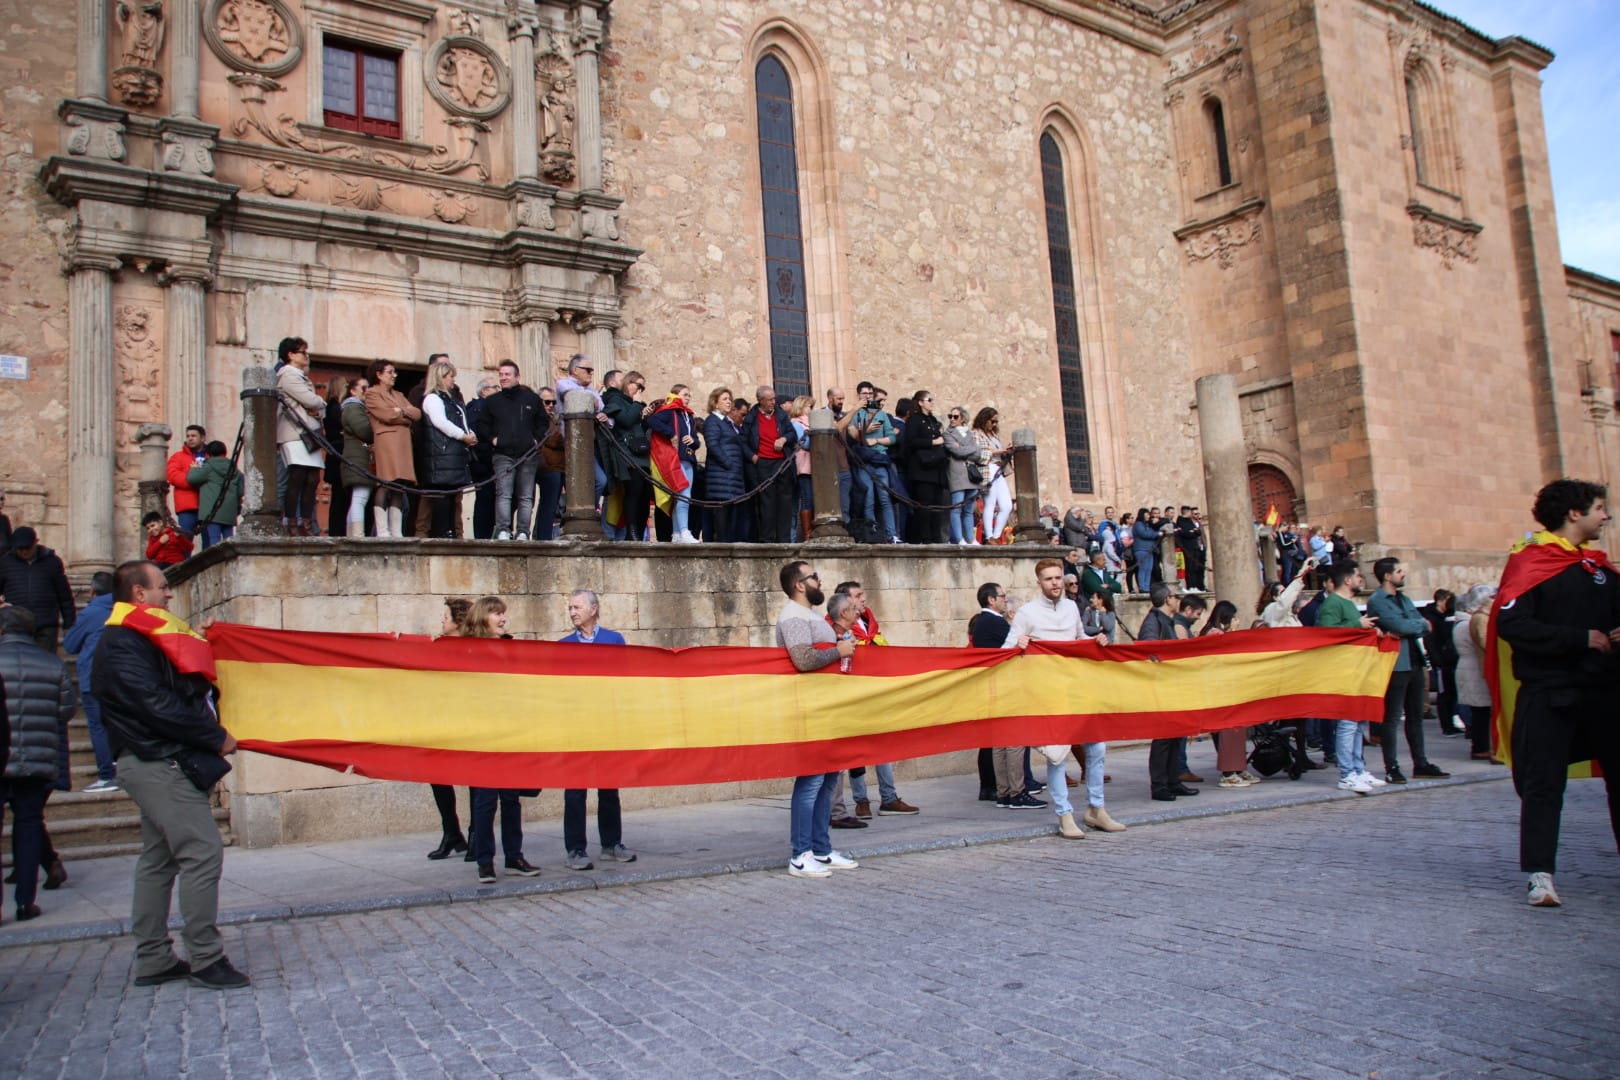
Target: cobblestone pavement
1383,938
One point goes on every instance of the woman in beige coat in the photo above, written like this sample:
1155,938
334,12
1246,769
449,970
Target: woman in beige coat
391,419
302,410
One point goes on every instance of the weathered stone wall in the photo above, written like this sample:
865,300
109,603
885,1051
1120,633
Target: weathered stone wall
655,594
36,71
1595,309
919,127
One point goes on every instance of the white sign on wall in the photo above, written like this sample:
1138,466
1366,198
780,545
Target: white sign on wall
13,367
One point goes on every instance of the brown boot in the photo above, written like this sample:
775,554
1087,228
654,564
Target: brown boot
805,517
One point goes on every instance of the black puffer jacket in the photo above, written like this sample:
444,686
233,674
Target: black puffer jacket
147,707
445,460
40,700
40,585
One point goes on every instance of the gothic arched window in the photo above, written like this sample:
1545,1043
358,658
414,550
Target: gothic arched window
1216,115
1434,160
1066,316
784,232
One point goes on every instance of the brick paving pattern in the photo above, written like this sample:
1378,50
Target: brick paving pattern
1381,938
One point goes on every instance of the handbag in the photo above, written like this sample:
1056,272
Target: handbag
1056,754
203,769
975,474
307,437
639,445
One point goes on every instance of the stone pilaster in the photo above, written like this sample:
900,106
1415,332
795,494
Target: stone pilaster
521,30
596,332
92,76
184,30
534,348
91,378
588,100
186,336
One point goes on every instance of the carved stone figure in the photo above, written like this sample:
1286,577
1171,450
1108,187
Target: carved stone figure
254,30
141,26
139,363
463,21
554,86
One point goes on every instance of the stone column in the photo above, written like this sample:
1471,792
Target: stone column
829,518
598,342
184,33
579,466
91,377
1226,488
153,439
1270,564
588,101
92,76
1027,503
186,344
521,30
1167,558
261,510
534,349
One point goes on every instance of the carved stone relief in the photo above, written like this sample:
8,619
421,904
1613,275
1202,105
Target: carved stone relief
453,207
1220,237
554,91
139,359
463,21
1450,238
535,213
141,28
600,223
285,131
93,132
282,179
360,192
254,35
467,78
184,152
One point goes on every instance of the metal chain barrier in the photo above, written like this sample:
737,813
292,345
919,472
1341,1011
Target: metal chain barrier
707,504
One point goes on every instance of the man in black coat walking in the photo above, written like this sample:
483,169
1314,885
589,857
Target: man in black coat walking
32,577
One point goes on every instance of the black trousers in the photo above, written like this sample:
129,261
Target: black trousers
1445,700
609,828
774,505
1164,765
444,797
987,770
1551,728
1195,570
1407,690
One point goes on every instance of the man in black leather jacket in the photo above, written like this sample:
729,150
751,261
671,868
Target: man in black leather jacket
160,724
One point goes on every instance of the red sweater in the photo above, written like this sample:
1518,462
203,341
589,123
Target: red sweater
169,547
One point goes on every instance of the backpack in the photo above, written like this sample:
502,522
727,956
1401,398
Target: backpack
866,531
1272,752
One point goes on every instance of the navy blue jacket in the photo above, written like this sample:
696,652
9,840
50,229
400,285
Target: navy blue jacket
726,456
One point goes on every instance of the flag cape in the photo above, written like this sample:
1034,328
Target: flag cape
529,714
1533,561
665,461
186,649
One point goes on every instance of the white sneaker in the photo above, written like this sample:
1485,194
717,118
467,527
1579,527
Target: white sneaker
805,864
1357,783
504,534
103,785
521,536
1542,893
685,537
1372,781
837,860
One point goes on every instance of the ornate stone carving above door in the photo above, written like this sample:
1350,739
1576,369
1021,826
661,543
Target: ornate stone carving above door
261,36
467,78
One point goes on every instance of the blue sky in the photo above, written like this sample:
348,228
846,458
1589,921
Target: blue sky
1580,98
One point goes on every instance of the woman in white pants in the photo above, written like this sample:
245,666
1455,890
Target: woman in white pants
997,501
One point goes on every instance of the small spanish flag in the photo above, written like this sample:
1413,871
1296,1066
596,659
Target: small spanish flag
1272,517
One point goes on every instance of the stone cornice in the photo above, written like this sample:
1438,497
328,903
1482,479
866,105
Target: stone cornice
1518,48
411,9
1596,284
1131,23
72,179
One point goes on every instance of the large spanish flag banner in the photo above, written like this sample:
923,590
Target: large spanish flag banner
530,714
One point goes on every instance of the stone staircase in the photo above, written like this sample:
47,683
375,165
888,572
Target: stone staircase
91,825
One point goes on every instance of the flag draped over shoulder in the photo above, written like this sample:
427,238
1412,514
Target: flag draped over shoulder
527,714
665,459
186,649
1540,558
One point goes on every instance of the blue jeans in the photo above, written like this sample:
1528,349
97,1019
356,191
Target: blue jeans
483,825
514,482
545,525
962,514
902,512
1096,761
875,503
214,533
1347,741
1144,566
812,813
845,483
683,509
886,788
106,767
187,520
1057,787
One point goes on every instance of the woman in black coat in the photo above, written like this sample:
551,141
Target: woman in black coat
927,465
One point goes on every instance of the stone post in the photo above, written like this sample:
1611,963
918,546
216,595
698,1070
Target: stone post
261,512
1167,558
90,416
1226,488
184,33
1027,503
92,75
520,31
1270,564
588,101
186,343
579,466
153,439
828,523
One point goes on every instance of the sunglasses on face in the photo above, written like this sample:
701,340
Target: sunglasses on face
809,577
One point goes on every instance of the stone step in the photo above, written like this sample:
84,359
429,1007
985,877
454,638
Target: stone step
96,824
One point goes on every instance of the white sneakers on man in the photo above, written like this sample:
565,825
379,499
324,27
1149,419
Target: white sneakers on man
1542,893
1357,783
685,537
837,860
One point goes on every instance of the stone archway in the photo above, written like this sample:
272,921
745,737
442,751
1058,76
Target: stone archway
1269,486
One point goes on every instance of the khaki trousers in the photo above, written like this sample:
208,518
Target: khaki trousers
1009,765
178,839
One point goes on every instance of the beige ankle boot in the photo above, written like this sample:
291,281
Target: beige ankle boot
1099,818
396,521
379,517
355,528
1068,829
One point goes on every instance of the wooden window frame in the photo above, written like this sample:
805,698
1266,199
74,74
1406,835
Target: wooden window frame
359,122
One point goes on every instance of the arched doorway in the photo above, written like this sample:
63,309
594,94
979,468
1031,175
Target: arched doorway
1269,486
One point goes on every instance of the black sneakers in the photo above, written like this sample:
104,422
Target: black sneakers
1429,771
1394,775
1025,801
219,976
179,970
521,867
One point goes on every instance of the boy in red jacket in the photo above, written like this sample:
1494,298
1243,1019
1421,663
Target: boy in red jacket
165,545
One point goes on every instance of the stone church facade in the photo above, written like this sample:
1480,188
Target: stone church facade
1069,209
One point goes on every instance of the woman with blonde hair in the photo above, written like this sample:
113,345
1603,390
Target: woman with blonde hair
301,414
486,618
391,418
447,453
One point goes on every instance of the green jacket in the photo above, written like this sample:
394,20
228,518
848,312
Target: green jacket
1336,611
208,478
1093,582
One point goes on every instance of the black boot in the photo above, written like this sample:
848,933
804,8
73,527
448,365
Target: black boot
451,843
